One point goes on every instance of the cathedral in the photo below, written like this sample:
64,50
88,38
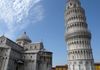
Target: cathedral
23,54
77,37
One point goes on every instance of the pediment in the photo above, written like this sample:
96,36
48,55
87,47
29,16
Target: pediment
2,39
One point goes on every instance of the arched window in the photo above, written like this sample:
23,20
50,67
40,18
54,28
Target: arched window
30,56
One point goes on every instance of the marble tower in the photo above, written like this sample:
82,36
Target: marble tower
77,37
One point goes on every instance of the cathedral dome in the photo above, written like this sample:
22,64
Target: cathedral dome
23,37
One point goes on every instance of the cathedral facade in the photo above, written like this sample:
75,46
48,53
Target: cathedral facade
78,37
23,54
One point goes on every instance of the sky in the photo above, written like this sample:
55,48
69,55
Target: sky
43,20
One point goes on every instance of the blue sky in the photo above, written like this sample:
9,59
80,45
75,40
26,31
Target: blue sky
43,20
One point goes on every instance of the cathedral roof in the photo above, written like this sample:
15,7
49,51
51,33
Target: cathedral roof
24,37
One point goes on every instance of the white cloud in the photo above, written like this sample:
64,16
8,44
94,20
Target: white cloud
16,12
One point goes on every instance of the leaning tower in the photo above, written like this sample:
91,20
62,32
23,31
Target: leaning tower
77,37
